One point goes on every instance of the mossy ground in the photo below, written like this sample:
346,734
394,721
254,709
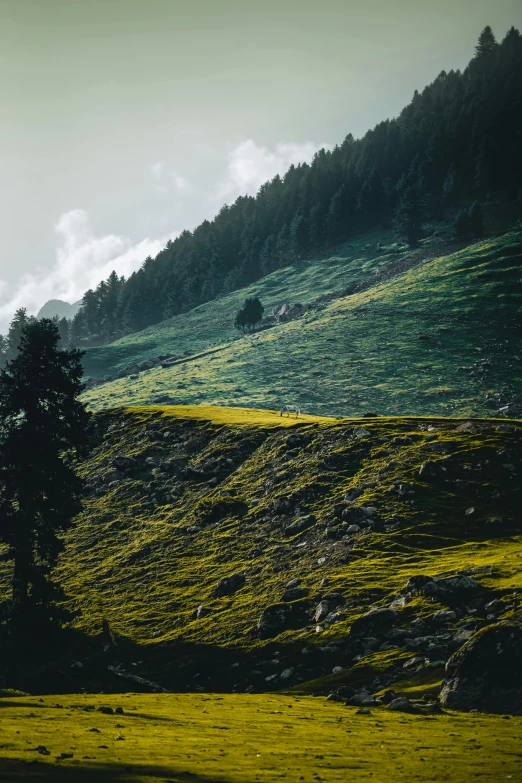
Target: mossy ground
353,354
212,492
242,739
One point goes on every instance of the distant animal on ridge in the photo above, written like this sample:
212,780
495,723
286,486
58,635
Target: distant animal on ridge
290,409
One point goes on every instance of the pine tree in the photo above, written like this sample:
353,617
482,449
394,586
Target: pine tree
267,255
16,328
451,188
462,226
408,221
40,419
3,350
317,227
335,219
63,330
298,242
486,43
476,221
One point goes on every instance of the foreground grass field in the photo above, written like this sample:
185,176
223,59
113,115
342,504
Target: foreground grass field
436,339
242,739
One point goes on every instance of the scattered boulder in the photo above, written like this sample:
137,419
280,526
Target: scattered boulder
301,524
294,594
229,585
334,697
122,462
486,673
281,617
444,616
495,607
322,611
402,704
449,591
376,621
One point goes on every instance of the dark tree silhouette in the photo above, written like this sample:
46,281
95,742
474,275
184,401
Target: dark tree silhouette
250,314
476,221
486,43
42,422
409,217
462,226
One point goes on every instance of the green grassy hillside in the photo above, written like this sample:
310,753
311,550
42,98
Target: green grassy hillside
438,338
179,499
212,324
235,739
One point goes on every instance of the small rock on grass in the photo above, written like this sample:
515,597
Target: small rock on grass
402,704
334,697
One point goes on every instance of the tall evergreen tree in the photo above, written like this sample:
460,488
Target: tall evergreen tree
336,218
298,242
462,226
41,418
476,221
486,43
16,329
409,218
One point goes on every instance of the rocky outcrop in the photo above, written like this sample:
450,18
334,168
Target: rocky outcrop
486,672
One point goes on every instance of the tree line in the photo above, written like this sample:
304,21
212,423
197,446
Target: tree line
458,141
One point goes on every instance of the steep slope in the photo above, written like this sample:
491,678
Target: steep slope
180,499
442,337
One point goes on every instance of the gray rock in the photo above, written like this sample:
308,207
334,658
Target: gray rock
294,594
229,585
495,607
334,697
374,622
486,672
444,616
300,525
401,704
122,462
293,583
281,617
321,612
450,591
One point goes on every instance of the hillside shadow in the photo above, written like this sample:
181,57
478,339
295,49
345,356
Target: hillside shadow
35,770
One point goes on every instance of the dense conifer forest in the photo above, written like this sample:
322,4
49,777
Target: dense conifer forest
458,141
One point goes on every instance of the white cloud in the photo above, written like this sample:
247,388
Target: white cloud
82,261
180,183
250,165
157,170
161,183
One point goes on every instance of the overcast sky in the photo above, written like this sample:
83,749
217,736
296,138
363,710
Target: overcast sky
122,122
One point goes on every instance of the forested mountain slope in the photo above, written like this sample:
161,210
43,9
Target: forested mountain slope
458,140
442,337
